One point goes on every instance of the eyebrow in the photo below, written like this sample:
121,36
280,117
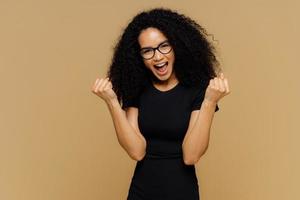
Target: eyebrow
153,47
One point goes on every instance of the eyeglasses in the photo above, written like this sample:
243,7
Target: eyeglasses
148,52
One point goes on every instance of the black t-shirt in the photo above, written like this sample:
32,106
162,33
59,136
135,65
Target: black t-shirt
163,116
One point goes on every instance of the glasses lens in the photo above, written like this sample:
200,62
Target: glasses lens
165,48
147,53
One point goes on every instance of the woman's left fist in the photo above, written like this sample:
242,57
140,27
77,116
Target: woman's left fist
218,88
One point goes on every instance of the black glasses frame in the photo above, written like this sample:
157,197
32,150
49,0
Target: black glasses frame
154,49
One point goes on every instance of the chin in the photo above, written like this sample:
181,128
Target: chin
163,78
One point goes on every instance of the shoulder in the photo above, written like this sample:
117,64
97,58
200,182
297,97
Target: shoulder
134,100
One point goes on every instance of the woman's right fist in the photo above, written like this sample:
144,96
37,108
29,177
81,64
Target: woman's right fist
103,88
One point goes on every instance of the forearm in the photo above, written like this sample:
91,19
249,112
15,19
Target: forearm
133,143
196,141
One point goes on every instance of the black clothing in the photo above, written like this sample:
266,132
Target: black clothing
163,119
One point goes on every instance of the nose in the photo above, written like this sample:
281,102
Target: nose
157,55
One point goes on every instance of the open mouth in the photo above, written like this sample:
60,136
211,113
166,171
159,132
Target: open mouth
161,67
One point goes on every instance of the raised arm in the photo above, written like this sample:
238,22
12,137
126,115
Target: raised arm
125,122
196,140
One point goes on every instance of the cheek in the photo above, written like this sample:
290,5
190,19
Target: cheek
147,64
171,57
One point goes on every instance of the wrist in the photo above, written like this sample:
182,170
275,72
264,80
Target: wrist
112,102
209,103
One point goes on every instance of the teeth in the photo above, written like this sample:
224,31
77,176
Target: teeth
162,69
160,65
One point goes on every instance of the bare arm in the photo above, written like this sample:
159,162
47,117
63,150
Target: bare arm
196,139
125,124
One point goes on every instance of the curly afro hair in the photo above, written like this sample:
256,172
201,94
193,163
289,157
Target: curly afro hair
195,61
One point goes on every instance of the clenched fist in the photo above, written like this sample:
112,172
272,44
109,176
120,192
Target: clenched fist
103,88
217,88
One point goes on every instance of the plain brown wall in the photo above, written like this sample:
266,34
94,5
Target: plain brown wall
57,140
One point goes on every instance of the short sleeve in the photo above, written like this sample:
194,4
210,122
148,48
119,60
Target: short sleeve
198,99
134,102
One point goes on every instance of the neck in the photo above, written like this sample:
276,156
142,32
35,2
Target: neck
166,83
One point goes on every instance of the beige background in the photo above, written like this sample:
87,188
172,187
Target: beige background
57,140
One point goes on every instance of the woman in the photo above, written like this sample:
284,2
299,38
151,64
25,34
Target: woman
163,72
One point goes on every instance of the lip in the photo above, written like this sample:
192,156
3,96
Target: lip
163,73
160,63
